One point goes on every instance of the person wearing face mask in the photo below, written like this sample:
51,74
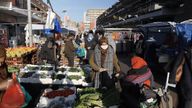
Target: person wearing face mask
102,61
5,77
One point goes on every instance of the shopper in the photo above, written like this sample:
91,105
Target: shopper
5,77
90,43
103,60
48,51
137,77
78,39
70,50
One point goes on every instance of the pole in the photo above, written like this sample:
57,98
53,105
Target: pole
29,22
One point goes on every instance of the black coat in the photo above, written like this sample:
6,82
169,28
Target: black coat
48,53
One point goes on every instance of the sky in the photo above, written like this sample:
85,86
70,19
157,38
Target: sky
76,8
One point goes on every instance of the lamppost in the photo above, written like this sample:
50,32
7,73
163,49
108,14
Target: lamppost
29,22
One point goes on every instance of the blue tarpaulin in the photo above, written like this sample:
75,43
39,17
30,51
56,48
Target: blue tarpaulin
57,27
184,30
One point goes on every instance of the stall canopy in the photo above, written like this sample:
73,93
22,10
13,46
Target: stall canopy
36,27
185,30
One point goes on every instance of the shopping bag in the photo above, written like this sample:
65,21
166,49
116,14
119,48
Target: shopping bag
27,97
80,52
13,97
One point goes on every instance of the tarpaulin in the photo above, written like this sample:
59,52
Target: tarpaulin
184,30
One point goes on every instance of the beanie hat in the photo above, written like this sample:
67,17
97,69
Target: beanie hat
138,62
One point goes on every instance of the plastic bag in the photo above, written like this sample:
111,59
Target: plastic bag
13,97
80,52
27,97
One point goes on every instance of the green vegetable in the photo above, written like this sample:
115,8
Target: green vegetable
46,68
32,68
90,96
74,70
76,77
96,103
13,69
88,90
62,69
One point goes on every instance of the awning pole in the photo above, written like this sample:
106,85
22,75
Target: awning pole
29,22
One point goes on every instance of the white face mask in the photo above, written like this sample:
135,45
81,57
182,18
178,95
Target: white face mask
104,46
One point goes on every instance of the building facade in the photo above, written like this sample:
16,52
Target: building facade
130,13
90,17
13,18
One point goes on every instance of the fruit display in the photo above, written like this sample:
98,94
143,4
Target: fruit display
19,52
60,98
66,92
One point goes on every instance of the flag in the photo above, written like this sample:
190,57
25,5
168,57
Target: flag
57,28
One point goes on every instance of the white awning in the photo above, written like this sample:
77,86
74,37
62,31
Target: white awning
36,27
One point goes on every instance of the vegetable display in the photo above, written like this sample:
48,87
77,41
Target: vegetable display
74,70
90,97
74,77
46,68
62,69
32,68
60,76
13,69
26,75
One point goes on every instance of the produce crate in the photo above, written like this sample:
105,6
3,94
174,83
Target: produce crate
97,98
61,98
14,61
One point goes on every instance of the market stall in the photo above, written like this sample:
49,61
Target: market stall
21,55
48,74
48,84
